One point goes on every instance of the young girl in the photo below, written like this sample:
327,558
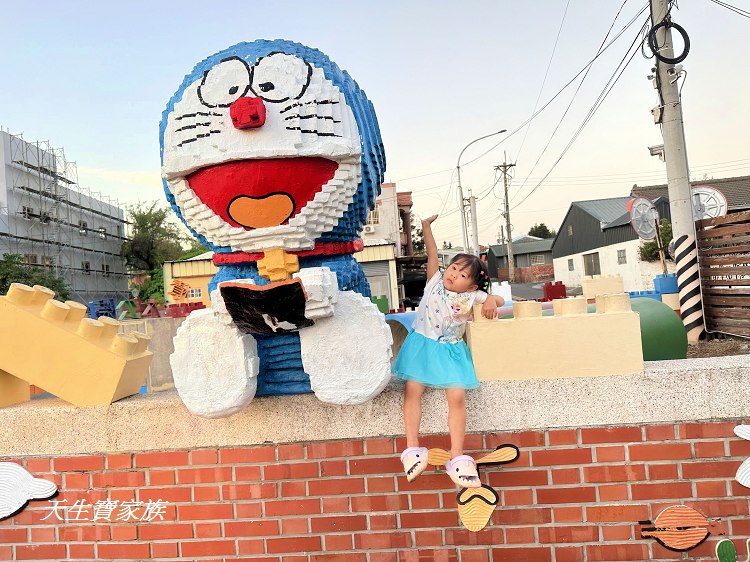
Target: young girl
435,355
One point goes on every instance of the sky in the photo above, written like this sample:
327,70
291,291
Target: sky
94,77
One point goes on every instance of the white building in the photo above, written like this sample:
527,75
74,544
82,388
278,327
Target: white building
596,238
46,218
386,236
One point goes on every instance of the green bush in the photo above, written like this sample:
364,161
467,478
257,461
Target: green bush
650,250
14,270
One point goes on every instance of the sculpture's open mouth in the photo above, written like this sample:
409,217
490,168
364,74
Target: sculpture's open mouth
254,194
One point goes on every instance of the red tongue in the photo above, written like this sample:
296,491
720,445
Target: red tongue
265,190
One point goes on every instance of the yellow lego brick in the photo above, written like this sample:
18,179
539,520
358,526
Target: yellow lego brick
51,345
594,285
277,265
672,300
13,390
573,343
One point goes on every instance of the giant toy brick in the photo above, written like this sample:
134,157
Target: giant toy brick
13,390
572,343
594,285
51,345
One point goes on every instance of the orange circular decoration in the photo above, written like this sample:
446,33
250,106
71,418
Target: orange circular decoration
679,528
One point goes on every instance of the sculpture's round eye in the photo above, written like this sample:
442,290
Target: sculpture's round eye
224,83
279,77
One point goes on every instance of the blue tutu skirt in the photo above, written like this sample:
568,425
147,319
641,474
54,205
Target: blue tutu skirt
435,364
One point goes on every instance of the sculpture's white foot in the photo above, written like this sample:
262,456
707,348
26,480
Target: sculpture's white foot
322,290
348,355
214,365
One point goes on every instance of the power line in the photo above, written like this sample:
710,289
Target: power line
614,39
735,9
544,80
575,94
597,104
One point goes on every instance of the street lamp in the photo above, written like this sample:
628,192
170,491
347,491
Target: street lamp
461,207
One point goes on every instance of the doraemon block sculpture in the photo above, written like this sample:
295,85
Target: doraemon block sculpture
272,157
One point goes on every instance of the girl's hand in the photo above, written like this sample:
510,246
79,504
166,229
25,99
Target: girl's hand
429,220
489,309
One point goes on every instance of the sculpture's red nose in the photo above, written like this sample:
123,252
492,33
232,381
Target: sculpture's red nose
248,113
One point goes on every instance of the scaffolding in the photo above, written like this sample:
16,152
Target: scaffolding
54,223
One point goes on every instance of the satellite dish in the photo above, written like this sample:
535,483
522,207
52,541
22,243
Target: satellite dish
708,203
643,217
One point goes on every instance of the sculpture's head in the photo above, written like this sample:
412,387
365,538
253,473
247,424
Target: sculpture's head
270,145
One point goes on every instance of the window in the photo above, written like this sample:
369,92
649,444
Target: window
45,217
102,232
373,217
621,257
86,267
195,293
30,259
48,261
570,230
537,259
83,228
27,212
105,270
571,267
591,264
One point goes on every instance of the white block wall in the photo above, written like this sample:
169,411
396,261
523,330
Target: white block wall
637,275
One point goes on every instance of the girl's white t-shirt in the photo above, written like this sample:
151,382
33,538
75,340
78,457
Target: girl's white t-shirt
442,314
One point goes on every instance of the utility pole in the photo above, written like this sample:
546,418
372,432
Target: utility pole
678,175
474,225
504,167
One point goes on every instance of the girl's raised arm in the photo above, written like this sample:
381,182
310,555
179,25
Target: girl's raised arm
430,246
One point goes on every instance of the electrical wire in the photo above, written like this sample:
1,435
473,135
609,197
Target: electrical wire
544,80
561,90
570,103
735,9
597,104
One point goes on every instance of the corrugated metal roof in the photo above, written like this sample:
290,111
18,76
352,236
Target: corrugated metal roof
625,218
604,210
204,256
736,190
519,248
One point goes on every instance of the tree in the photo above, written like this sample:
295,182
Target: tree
649,251
541,231
153,240
14,270
195,249
447,245
417,237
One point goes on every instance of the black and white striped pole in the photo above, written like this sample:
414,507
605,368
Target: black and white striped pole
669,115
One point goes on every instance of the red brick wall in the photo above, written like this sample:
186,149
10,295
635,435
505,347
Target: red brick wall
573,495
532,274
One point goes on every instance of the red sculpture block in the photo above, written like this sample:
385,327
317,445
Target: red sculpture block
556,291
248,113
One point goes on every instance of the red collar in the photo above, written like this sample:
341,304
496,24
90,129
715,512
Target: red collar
320,249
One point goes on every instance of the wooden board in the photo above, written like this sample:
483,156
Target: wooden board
727,300
727,312
739,291
720,231
718,242
725,271
725,282
726,219
734,249
725,260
